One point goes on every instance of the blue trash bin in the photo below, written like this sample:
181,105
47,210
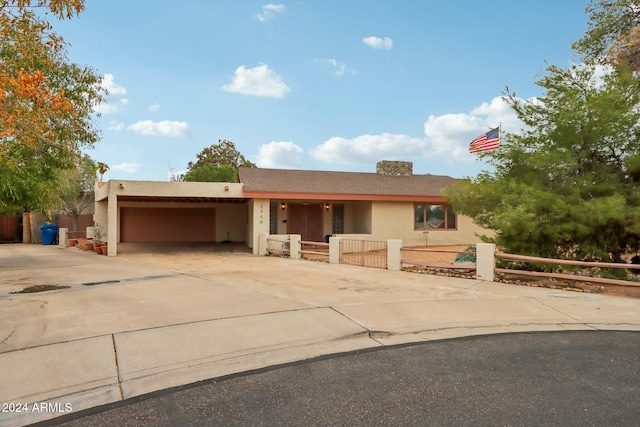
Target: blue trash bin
49,233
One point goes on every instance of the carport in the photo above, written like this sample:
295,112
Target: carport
171,212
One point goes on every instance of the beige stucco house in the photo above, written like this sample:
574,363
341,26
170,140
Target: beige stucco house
392,203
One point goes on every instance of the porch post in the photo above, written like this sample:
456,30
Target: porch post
112,224
485,261
259,221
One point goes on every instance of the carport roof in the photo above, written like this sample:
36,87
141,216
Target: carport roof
257,181
174,199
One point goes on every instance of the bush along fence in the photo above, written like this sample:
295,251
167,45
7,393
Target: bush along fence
370,254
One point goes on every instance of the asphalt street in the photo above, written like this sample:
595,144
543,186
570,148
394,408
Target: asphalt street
574,378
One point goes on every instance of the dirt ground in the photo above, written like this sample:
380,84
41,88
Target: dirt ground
433,255
438,257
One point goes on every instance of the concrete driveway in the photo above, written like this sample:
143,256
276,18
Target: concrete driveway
140,322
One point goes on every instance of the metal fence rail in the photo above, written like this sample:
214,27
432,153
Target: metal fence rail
365,253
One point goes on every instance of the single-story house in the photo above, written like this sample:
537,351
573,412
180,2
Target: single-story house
392,203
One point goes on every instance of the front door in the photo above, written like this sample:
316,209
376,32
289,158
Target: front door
307,221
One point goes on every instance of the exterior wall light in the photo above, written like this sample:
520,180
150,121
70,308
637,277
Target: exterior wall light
282,205
226,188
326,206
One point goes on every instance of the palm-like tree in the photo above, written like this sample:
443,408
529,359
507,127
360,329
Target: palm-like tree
102,169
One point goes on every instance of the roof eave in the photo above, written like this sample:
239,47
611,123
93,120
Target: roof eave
341,196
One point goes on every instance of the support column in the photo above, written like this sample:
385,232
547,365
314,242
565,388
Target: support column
112,225
394,254
334,250
259,222
294,246
263,244
485,261
62,236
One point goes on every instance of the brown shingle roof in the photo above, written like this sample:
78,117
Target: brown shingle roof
261,180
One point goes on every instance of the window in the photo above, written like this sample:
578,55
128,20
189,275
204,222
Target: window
338,219
273,218
429,217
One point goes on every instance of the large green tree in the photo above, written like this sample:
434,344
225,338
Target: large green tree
224,153
210,173
217,163
568,185
46,105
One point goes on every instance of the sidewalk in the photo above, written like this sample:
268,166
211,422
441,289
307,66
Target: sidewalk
162,320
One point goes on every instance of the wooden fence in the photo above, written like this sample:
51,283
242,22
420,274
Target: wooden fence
585,264
315,250
77,228
10,228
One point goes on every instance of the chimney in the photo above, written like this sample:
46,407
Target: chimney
394,168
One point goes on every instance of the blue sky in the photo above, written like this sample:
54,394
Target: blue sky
314,84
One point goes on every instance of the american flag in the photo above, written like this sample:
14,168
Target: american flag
486,142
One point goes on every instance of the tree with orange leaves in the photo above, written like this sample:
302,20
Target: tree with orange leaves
613,36
46,104
626,50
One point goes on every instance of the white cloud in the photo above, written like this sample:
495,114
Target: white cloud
111,106
114,100
112,87
154,107
116,125
385,43
269,11
126,167
340,68
497,111
274,7
258,81
445,137
280,154
166,128
369,148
